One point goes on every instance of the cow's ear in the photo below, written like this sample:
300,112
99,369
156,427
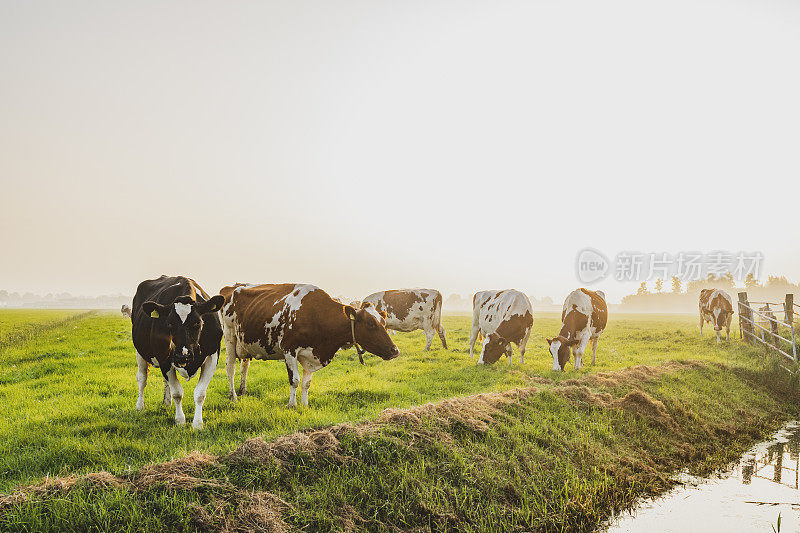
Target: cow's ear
549,341
349,311
154,309
212,305
365,305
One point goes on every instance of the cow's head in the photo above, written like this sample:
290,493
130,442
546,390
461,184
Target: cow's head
721,314
183,321
560,350
494,347
370,331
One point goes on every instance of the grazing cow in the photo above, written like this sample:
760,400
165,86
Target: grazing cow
176,328
126,310
584,317
716,307
501,317
411,309
295,323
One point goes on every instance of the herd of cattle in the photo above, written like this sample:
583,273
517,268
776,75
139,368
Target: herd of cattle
178,327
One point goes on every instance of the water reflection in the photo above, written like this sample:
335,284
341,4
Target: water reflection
747,497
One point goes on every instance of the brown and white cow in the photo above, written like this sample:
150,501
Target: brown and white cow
501,317
298,324
583,317
125,310
411,309
716,308
175,327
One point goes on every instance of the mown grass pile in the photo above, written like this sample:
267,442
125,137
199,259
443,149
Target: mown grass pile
542,450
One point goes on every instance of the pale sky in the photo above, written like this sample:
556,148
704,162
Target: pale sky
369,145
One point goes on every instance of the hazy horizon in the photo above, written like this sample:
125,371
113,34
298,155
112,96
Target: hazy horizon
362,146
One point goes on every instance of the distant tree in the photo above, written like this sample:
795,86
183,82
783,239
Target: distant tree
778,281
728,280
642,288
750,282
676,284
659,284
455,301
4,296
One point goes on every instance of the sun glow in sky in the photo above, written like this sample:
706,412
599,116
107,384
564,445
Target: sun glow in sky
368,145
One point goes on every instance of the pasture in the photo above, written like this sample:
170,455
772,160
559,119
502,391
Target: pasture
67,406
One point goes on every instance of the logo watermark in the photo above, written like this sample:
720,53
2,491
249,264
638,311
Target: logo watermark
592,265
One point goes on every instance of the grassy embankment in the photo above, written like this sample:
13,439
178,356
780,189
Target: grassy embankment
558,451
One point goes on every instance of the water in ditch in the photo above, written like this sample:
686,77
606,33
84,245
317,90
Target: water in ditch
747,497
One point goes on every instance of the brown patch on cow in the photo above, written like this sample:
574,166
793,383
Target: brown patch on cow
514,328
399,302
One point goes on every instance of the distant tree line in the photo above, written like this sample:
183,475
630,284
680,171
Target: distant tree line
684,296
62,300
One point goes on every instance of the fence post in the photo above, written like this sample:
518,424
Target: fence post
745,318
789,308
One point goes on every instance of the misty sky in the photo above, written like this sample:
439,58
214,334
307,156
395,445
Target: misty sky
368,145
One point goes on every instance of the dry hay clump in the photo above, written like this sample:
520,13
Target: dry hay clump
60,485
260,512
319,444
180,474
636,402
475,413
632,375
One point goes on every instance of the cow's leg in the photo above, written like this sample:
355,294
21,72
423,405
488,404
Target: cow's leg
206,373
523,345
167,394
718,331
472,338
243,379
578,351
294,378
141,379
594,350
701,324
429,333
728,328
230,362
440,331
177,396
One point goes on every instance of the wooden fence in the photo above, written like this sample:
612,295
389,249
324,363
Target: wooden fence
759,324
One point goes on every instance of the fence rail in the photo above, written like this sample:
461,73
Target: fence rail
754,330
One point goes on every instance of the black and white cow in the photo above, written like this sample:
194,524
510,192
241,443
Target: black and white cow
176,327
716,308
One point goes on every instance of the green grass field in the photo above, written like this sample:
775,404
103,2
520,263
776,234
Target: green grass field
67,406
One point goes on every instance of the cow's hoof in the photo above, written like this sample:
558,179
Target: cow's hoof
180,421
140,407
197,425
242,392
232,396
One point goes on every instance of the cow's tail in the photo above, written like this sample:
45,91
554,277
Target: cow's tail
437,311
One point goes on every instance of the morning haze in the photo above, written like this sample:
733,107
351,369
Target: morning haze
361,146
